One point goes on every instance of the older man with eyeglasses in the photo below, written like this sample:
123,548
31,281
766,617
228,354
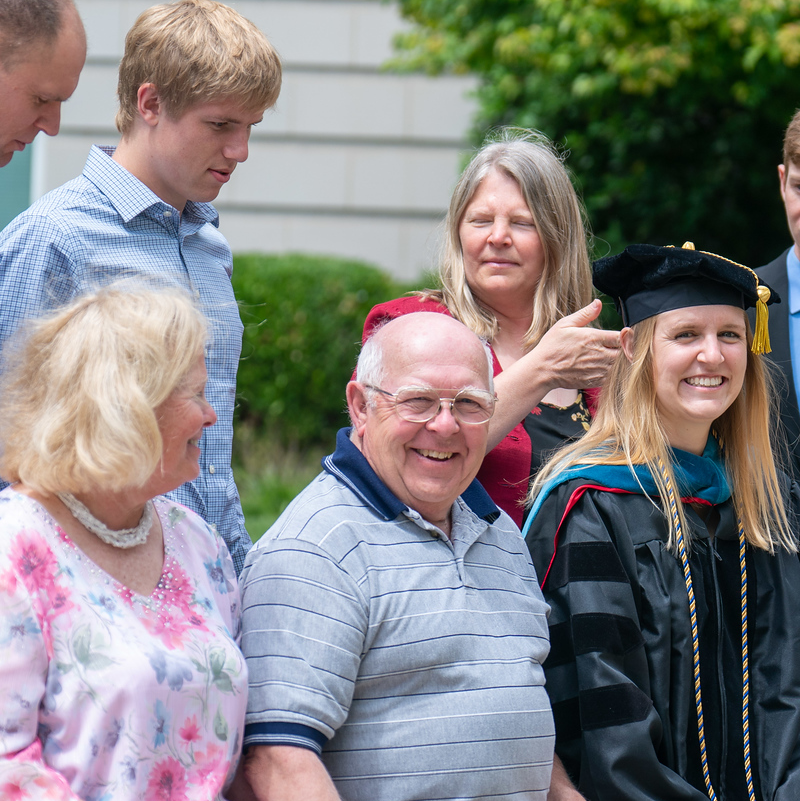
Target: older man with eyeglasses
393,625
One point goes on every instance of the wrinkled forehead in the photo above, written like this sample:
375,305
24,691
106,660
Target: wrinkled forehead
424,348
442,370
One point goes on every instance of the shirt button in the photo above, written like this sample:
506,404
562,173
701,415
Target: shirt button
167,213
212,469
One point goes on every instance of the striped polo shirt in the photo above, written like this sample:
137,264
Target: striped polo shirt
409,661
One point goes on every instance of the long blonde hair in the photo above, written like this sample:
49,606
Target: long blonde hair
566,283
626,431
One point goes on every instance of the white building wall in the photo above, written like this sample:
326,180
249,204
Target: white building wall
354,161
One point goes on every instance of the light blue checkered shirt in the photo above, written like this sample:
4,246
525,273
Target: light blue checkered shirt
107,224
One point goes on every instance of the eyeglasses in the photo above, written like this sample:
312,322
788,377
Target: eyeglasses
421,404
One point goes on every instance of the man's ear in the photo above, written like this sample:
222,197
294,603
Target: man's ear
626,340
357,406
148,103
782,179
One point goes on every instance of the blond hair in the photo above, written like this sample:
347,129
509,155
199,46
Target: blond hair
626,431
196,51
566,283
81,386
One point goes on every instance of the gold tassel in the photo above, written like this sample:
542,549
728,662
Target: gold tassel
761,333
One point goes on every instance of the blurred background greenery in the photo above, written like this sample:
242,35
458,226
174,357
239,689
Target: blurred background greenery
303,317
672,111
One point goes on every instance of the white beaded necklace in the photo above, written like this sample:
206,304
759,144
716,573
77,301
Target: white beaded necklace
124,537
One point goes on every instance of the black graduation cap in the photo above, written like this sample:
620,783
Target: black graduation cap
645,280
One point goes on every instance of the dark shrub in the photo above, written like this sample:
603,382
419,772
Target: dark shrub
303,317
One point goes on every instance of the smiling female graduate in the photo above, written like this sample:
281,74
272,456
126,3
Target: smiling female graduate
666,542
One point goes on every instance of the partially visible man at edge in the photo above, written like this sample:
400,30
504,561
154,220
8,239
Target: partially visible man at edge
194,78
783,274
42,52
392,622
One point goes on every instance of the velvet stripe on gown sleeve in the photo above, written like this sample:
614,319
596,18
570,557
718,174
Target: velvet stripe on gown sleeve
608,733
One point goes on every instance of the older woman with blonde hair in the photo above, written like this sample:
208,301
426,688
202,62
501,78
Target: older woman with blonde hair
120,676
515,270
666,544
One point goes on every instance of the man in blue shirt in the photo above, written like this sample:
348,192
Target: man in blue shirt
42,51
783,274
194,79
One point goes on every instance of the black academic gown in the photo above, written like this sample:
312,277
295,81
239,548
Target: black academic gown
619,673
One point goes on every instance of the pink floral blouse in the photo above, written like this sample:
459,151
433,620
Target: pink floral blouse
108,695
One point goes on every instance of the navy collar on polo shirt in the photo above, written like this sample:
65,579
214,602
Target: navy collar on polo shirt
350,466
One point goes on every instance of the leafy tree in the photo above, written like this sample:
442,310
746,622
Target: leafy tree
673,111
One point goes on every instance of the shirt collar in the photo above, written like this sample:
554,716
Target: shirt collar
351,467
793,273
128,195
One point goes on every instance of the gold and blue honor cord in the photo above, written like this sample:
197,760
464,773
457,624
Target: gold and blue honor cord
748,771
698,698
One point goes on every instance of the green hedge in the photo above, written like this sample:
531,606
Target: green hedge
303,316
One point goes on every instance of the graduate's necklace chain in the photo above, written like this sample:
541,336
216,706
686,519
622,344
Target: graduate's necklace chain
698,699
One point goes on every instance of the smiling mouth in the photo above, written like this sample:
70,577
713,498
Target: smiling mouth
195,442
440,456
702,381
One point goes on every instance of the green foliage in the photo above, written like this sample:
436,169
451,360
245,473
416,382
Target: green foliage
303,317
269,475
673,111
609,317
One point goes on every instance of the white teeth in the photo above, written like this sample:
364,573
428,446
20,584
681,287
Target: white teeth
436,454
704,382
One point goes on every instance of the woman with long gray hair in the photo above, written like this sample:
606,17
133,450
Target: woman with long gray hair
515,269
